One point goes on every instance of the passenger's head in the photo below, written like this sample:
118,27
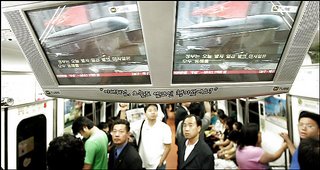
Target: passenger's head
249,135
82,125
103,126
237,126
221,116
229,123
309,124
195,108
65,152
309,154
234,136
151,111
120,131
191,126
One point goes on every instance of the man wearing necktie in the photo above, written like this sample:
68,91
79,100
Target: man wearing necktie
115,155
124,155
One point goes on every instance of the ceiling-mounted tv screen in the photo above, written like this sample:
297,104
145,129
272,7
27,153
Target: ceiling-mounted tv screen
93,43
164,51
231,41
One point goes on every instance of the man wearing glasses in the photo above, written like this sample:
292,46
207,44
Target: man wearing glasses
308,127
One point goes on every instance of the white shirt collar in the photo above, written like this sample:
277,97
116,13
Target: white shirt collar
189,149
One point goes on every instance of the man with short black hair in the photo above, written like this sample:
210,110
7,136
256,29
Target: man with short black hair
124,155
309,127
154,137
65,152
96,144
193,151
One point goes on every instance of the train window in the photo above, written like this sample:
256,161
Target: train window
72,110
93,43
233,41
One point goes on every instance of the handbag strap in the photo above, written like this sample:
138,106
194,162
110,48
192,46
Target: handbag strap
140,134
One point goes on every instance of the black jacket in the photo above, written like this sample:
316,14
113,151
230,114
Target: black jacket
201,157
129,158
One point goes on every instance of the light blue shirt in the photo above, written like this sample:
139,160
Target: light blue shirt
119,149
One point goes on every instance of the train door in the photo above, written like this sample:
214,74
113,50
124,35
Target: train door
28,131
304,95
273,118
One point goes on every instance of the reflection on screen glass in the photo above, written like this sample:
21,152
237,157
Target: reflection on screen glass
231,41
93,43
314,50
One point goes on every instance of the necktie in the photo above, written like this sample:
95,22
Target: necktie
115,154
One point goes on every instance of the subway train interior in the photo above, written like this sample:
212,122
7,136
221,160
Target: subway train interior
258,61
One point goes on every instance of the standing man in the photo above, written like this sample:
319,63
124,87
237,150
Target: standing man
96,144
193,151
124,155
154,137
308,127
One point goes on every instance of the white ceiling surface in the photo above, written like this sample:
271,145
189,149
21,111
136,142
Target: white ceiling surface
12,59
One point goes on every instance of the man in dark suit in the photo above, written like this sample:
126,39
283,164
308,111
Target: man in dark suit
124,155
193,152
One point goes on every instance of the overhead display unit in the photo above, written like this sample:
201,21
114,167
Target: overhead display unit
93,43
233,41
164,51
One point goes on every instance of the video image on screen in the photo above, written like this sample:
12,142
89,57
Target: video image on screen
231,41
96,43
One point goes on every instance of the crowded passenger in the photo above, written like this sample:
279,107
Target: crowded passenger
153,139
308,127
106,127
249,154
224,138
196,109
229,152
96,144
65,152
218,131
124,155
194,152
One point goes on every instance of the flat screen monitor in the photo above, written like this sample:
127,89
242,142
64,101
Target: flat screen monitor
231,41
164,51
92,43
